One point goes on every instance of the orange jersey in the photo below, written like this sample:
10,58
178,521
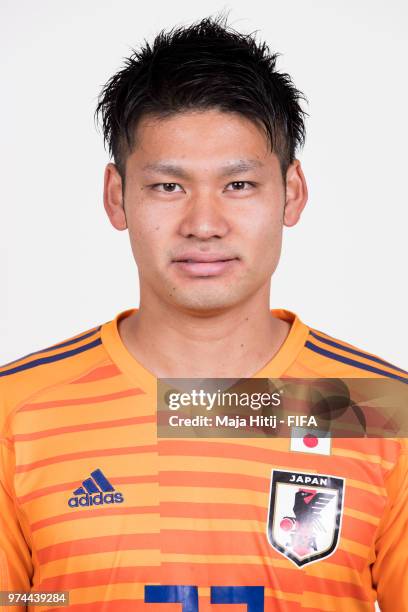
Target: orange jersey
94,503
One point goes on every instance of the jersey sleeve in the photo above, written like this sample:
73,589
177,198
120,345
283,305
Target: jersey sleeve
390,568
16,568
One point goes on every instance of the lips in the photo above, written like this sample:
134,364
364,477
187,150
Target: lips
204,264
202,260
203,257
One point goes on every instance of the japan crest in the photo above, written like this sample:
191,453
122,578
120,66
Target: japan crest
304,515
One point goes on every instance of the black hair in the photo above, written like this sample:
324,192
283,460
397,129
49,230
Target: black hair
202,66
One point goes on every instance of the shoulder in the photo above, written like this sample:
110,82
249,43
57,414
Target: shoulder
362,374
330,356
40,370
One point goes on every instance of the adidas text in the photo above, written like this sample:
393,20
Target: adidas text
95,500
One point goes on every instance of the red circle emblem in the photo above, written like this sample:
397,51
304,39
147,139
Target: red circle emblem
310,440
286,524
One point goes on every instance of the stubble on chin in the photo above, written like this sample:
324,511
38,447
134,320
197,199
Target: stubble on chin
202,299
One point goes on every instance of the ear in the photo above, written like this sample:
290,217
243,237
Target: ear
113,197
296,194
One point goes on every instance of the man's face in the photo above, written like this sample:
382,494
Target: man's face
204,204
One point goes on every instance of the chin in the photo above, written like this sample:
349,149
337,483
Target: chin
204,301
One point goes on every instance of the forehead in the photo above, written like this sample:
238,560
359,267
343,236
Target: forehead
211,136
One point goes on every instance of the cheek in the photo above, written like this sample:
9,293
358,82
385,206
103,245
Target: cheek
149,232
265,232
268,252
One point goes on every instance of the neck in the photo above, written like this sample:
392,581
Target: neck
172,343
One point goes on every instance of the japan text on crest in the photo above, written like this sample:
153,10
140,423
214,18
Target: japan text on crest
304,515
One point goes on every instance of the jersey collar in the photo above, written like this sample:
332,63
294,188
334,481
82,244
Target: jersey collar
139,376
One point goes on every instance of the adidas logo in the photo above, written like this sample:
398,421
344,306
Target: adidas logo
95,491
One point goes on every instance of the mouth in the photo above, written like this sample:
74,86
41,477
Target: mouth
204,260
205,265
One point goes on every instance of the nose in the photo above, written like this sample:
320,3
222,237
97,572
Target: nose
204,217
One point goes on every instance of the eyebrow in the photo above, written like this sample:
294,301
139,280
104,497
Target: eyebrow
230,169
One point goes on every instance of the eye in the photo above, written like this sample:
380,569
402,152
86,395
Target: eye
167,187
240,186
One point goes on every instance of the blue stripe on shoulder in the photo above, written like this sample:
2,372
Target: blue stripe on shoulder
69,342
51,358
57,346
353,362
356,352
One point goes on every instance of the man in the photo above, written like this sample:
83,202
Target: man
203,130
